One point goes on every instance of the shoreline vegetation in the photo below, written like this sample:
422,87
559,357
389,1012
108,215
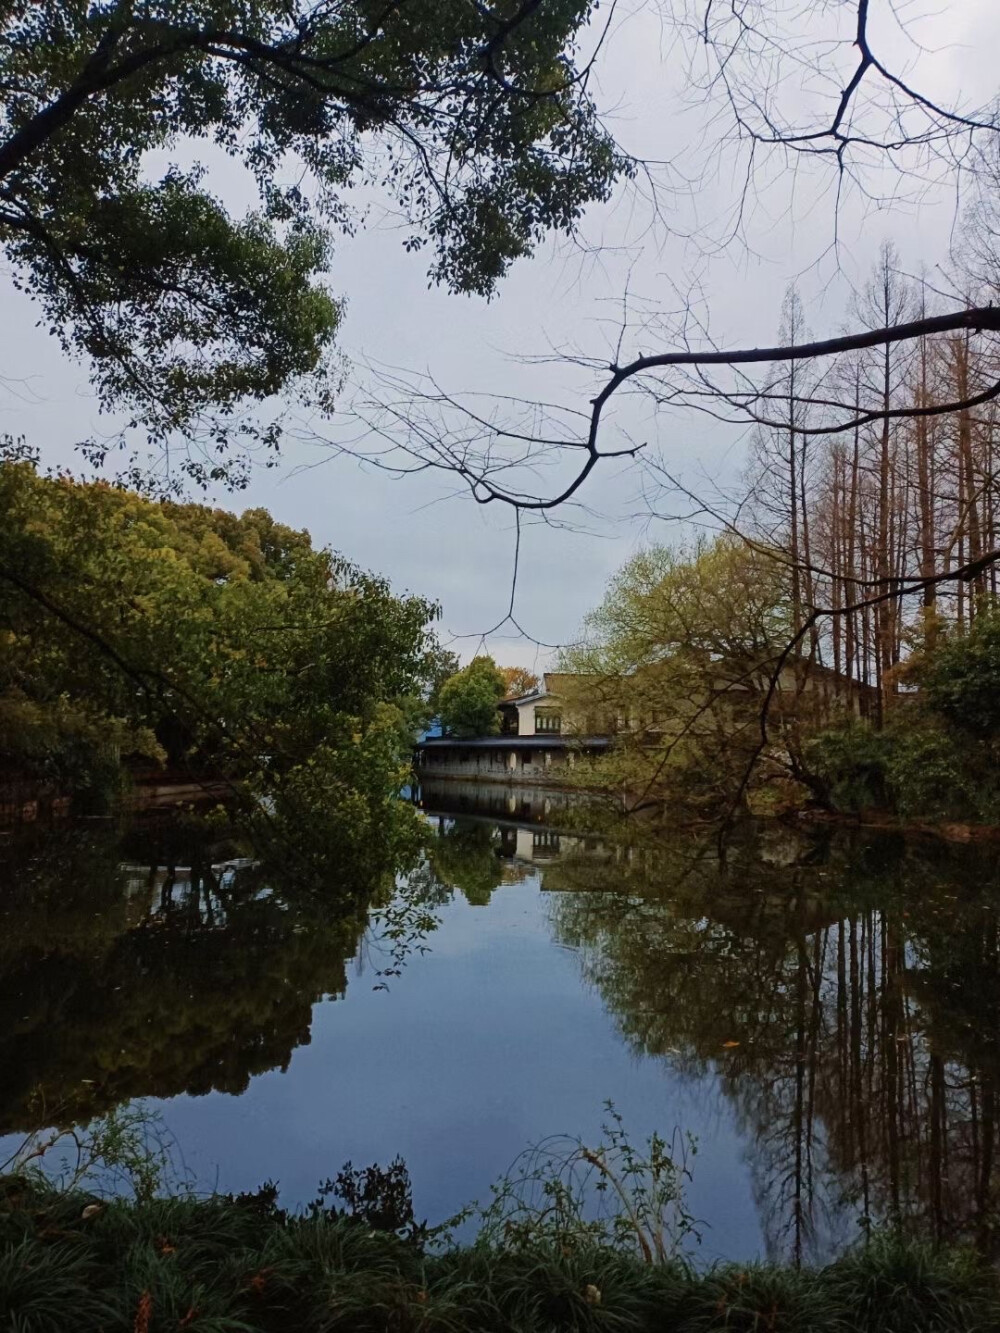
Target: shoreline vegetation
145,638
724,710
242,1264
141,636
573,1238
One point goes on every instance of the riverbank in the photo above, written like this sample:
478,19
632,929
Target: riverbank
226,1264
31,800
878,821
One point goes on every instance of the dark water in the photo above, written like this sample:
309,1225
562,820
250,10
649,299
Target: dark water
821,1014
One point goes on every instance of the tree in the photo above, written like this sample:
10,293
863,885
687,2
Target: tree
469,699
442,664
475,117
781,88
250,656
680,653
519,681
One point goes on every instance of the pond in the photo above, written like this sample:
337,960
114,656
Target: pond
820,1013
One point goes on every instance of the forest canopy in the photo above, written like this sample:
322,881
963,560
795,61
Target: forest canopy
215,644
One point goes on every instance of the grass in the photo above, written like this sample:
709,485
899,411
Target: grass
244,1265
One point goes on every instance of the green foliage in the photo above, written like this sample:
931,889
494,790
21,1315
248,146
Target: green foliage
937,755
225,644
70,745
916,766
564,1195
442,664
852,762
684,607
752,1298
893,1286
929,771
125,1152
474,118
960,678
677,657
468,700
223,1265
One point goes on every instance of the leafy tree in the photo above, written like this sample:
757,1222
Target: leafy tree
469,699
519,680
678,656
246,653
475,117
442,664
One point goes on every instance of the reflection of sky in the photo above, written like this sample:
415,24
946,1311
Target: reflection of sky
483,1046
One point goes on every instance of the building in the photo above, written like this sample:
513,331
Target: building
556,709
530,759
544,732
541,735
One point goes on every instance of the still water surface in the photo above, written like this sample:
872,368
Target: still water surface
822,1015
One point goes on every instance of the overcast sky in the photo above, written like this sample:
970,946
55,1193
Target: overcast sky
420,531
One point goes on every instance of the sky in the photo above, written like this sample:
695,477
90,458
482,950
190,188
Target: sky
424,532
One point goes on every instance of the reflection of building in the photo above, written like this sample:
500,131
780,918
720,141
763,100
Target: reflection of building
531,830
545,807
512,759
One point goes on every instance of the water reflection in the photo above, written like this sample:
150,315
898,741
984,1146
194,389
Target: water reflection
151,966
841,995
848,1001
844,992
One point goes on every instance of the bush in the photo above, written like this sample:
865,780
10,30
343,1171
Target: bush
916,767
960,679
929,772
852,763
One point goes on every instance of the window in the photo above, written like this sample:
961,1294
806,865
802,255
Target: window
547,719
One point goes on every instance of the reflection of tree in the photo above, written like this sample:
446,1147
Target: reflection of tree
465,855
864,993
116,984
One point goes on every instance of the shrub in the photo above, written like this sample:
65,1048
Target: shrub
960,679
916,767
852,763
